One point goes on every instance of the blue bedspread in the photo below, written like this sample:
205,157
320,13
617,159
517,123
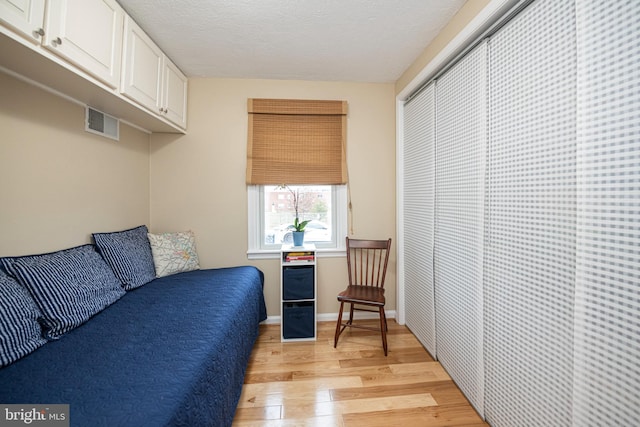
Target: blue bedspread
173,352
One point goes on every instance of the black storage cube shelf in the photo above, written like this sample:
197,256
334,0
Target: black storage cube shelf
297,283
298,319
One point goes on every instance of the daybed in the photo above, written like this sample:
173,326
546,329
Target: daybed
172,351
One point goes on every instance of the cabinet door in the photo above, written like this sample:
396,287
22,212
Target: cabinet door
87,33
24,16
175,94
142,68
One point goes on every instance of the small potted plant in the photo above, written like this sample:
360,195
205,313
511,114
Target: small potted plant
298,226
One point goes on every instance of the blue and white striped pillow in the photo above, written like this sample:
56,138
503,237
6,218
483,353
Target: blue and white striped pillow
68,286
20,332
129,254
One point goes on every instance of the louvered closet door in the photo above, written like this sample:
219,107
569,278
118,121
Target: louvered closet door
461,120
530,234
607,322
418,212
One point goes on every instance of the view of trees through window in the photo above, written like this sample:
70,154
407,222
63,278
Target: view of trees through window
314,205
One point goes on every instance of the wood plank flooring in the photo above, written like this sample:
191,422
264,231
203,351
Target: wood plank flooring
313,384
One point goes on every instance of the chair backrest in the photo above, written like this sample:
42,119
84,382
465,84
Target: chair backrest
367,261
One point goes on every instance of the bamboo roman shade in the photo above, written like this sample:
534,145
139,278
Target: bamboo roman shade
293,141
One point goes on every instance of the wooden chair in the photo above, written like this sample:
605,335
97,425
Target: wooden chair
367,267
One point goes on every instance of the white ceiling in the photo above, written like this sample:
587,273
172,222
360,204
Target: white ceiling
332,40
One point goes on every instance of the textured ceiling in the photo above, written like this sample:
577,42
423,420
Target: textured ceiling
333,40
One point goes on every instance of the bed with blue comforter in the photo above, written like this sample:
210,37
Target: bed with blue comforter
170,353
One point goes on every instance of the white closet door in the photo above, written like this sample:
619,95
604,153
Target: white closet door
461,126
607,322
530,235
418,211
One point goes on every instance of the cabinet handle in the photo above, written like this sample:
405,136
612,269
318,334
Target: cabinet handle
57,41
39,32
164,110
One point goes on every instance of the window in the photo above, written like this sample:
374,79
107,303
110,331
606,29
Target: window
271,214
302,142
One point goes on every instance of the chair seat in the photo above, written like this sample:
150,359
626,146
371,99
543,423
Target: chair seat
368,295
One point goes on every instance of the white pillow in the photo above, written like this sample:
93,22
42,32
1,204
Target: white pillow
174,252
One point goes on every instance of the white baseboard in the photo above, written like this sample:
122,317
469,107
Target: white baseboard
326,317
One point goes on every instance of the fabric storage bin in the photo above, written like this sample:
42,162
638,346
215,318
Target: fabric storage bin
297,283
298,320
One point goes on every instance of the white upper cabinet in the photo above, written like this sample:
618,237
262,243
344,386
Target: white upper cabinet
24,16
174,100
142,68
150,78
94,53
87,33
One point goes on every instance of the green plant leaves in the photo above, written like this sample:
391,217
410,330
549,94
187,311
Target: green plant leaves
299,226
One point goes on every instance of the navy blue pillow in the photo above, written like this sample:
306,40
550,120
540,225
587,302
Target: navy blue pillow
20,332
129,254
68,286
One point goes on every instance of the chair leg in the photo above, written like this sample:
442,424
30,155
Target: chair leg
386,326
338,331
383,329
350,315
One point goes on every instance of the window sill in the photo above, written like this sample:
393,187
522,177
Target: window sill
275,253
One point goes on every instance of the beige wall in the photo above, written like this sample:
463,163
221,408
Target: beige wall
198,180
58,183
467,12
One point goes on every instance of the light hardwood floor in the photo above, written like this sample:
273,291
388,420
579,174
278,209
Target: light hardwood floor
313,384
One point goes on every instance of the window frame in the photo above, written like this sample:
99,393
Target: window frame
255,224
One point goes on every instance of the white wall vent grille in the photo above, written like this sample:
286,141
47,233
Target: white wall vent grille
102,124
